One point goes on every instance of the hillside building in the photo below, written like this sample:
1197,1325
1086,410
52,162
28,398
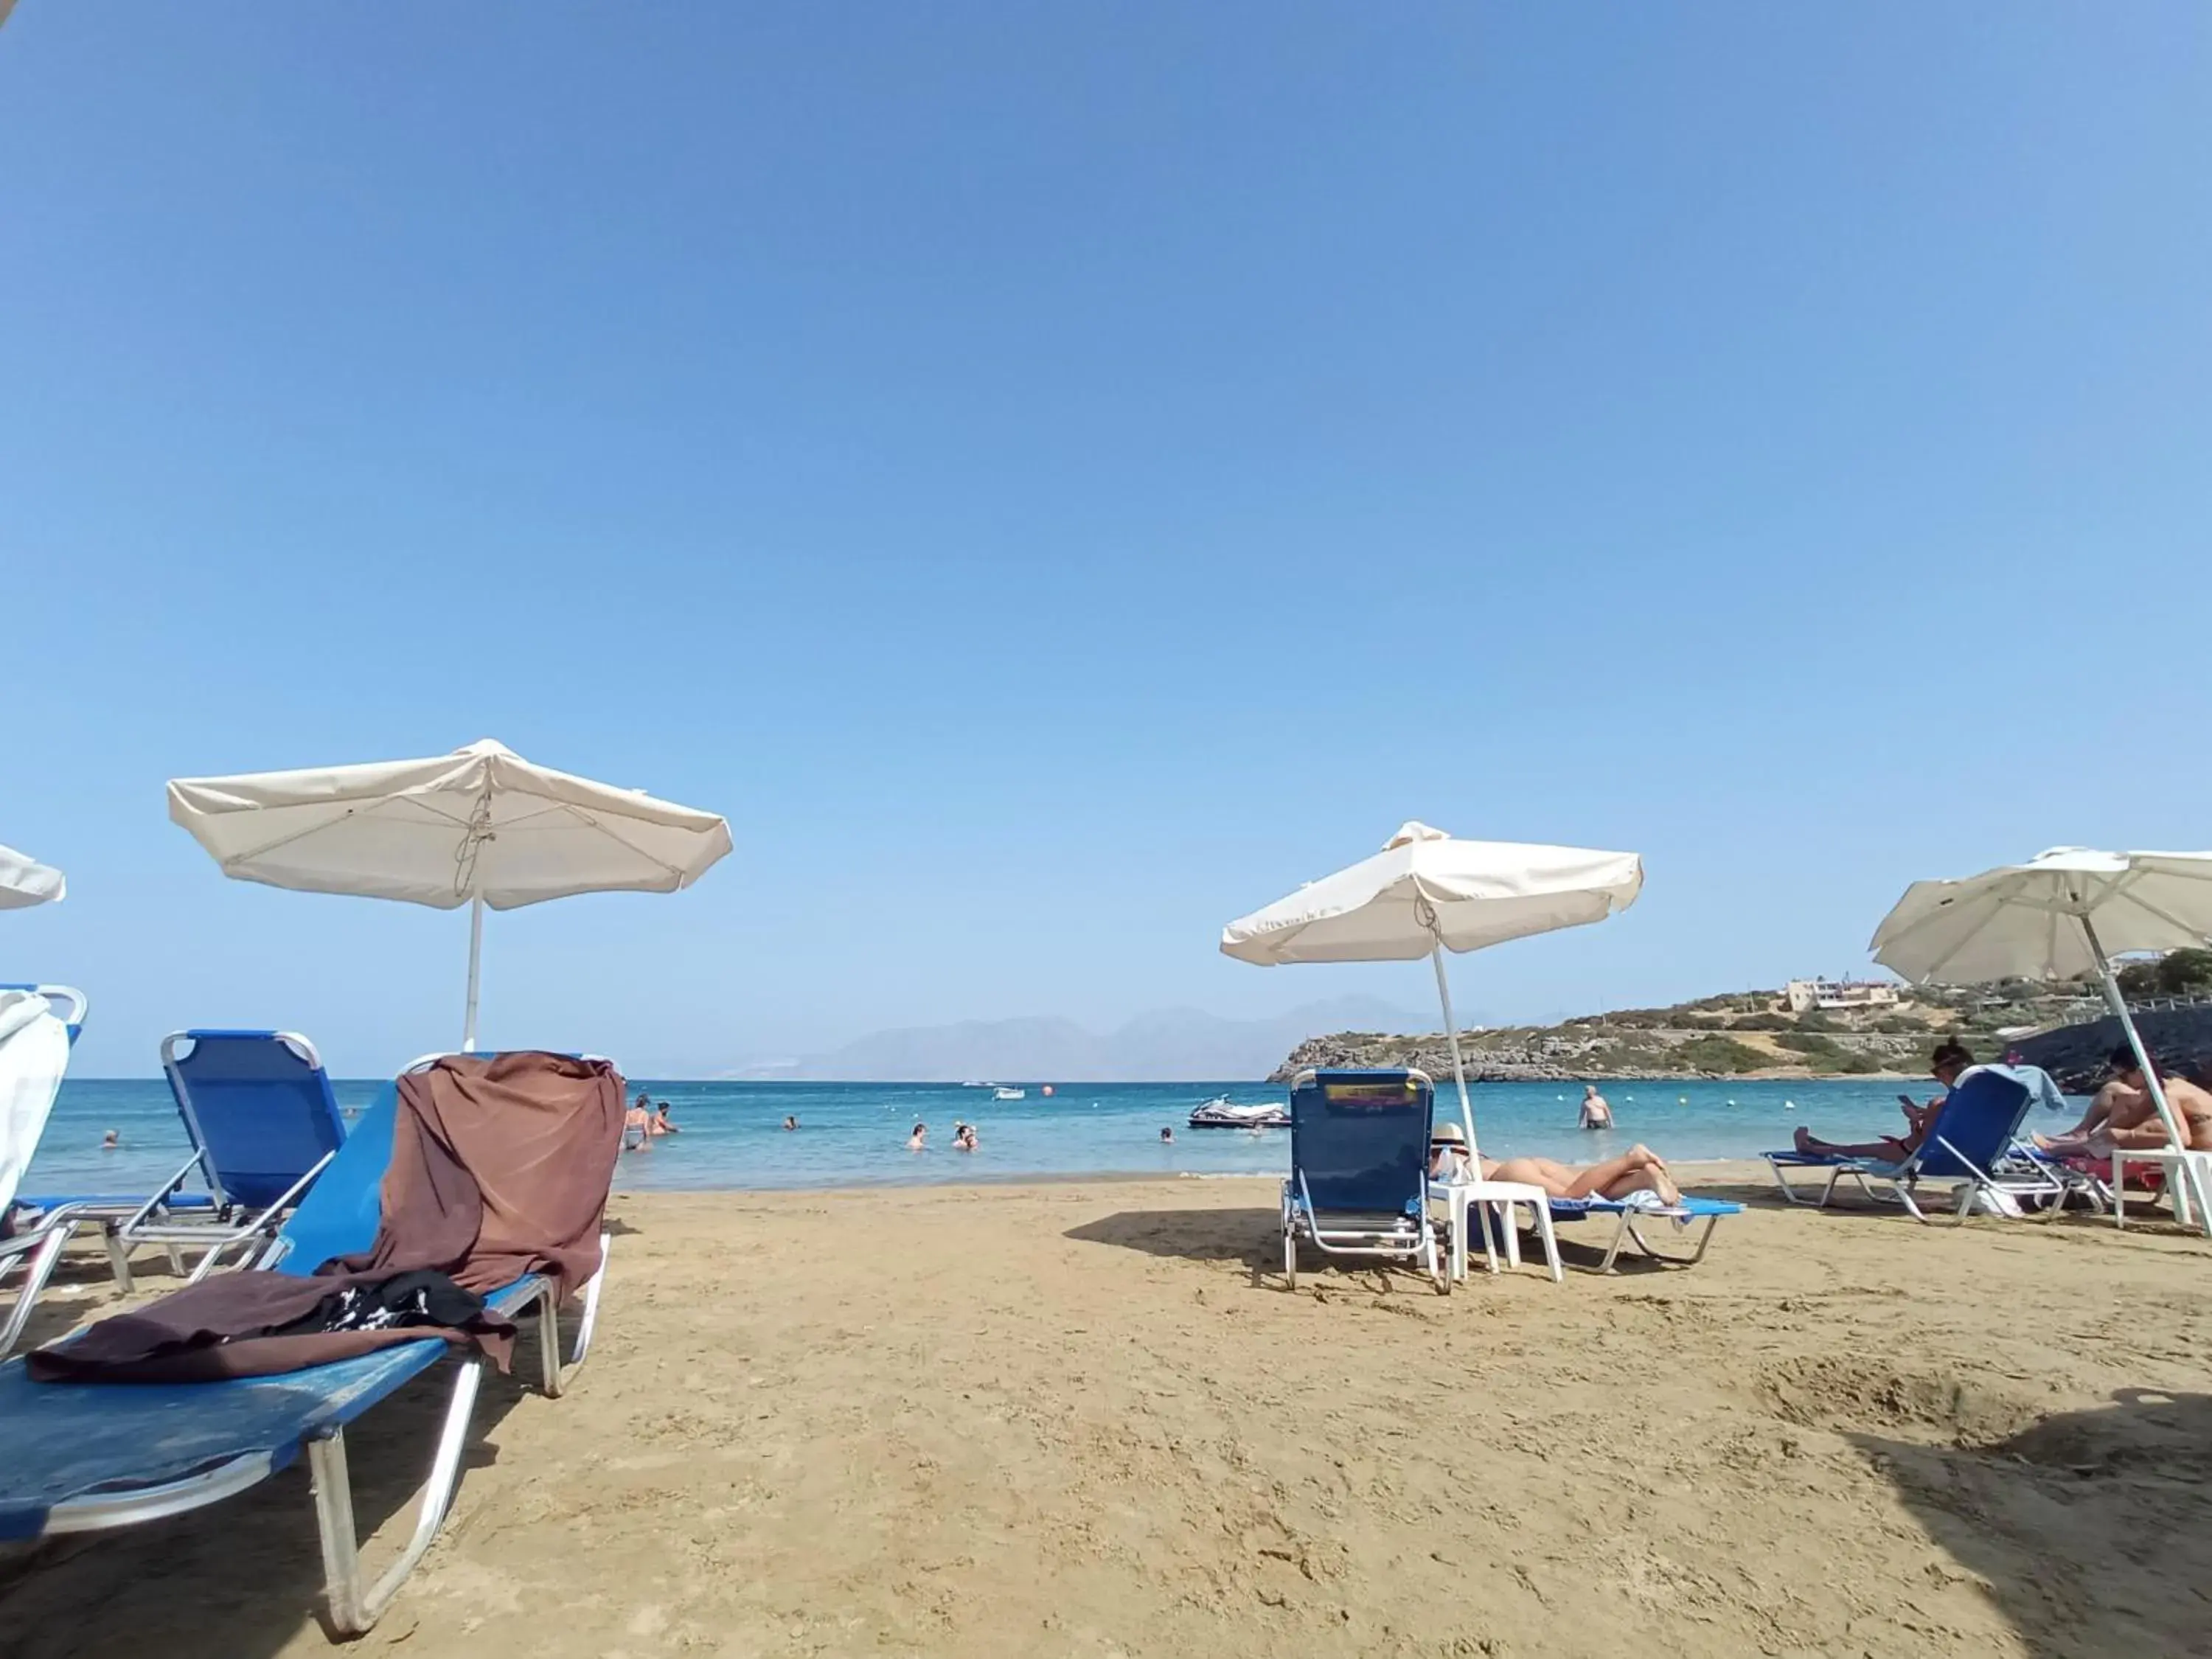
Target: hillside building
1803,996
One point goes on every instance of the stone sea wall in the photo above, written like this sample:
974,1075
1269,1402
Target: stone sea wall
2180,1039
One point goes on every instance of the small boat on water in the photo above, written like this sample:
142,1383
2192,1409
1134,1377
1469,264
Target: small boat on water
1003,1093
1222,1113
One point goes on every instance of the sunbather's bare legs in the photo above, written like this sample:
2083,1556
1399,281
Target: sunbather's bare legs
1638,1169
1889,1148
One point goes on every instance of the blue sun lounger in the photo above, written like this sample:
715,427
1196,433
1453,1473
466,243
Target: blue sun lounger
1631,1212
1359,1157
1974,1141
80,1457
262,1121
37,1248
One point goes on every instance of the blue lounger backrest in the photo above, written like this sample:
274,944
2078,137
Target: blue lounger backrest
1360,1140
1980,1120
258,1107
339,1215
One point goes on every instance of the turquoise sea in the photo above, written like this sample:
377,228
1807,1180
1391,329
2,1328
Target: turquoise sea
855,1134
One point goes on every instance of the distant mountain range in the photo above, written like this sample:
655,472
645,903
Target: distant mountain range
1168,1045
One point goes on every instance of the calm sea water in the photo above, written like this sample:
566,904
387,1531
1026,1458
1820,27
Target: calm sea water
855,1134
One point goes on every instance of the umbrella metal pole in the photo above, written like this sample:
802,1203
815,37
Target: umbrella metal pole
1451,1030
2185,1171
476,962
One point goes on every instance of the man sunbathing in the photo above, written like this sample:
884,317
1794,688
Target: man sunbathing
2124,1114
1638,1169
1950,1061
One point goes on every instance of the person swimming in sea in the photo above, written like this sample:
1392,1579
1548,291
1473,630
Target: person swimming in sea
112,1141
1595,1113
791,1122
919,1140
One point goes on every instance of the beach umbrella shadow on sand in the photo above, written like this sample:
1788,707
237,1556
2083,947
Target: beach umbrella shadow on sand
1427,892
481,827
2064,913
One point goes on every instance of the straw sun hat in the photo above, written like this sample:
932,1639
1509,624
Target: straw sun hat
1450,1134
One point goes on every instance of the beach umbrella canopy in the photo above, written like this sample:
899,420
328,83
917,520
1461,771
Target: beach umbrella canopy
2067,911
480,827
25,882
1427,892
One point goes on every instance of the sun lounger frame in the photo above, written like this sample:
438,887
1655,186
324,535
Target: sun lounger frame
1903,1176
232,1222
1902,1180
1408,1235
353,1601
1713,1211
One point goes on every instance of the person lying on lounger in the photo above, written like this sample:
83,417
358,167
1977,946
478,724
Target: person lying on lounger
2130,1116
1950,1061
1638,1169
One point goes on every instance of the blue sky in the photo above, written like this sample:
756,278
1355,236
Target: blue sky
1057,477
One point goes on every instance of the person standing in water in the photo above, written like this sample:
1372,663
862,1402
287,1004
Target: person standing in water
1595,1113
919,1140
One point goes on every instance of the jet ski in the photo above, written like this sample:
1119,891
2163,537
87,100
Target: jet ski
1220,1113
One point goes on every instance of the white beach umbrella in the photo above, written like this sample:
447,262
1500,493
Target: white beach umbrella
1427,892
25,882
2065,911
481,826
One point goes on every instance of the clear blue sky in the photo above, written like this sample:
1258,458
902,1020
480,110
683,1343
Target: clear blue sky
1057,477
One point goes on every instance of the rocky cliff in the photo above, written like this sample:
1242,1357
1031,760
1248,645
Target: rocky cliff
1581,1053
1584,1051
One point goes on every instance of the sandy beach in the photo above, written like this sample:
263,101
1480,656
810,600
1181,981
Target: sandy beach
1086,1419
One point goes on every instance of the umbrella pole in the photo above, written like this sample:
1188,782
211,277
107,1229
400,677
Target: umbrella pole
476,962
1451,1030
2184,1172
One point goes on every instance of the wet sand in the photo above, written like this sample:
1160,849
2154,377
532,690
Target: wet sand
1086,1419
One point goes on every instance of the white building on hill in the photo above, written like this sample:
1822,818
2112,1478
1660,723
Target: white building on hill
1804,995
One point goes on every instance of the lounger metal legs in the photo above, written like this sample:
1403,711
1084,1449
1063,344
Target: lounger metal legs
1790,1194
39,1266
352,1608
1629,1232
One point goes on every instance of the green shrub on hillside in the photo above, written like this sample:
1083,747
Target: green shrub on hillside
1719,1054
1808,1042
2176,974
1760,1022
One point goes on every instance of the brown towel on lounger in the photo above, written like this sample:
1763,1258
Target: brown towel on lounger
499,1167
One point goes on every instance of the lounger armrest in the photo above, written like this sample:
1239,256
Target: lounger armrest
145,1210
